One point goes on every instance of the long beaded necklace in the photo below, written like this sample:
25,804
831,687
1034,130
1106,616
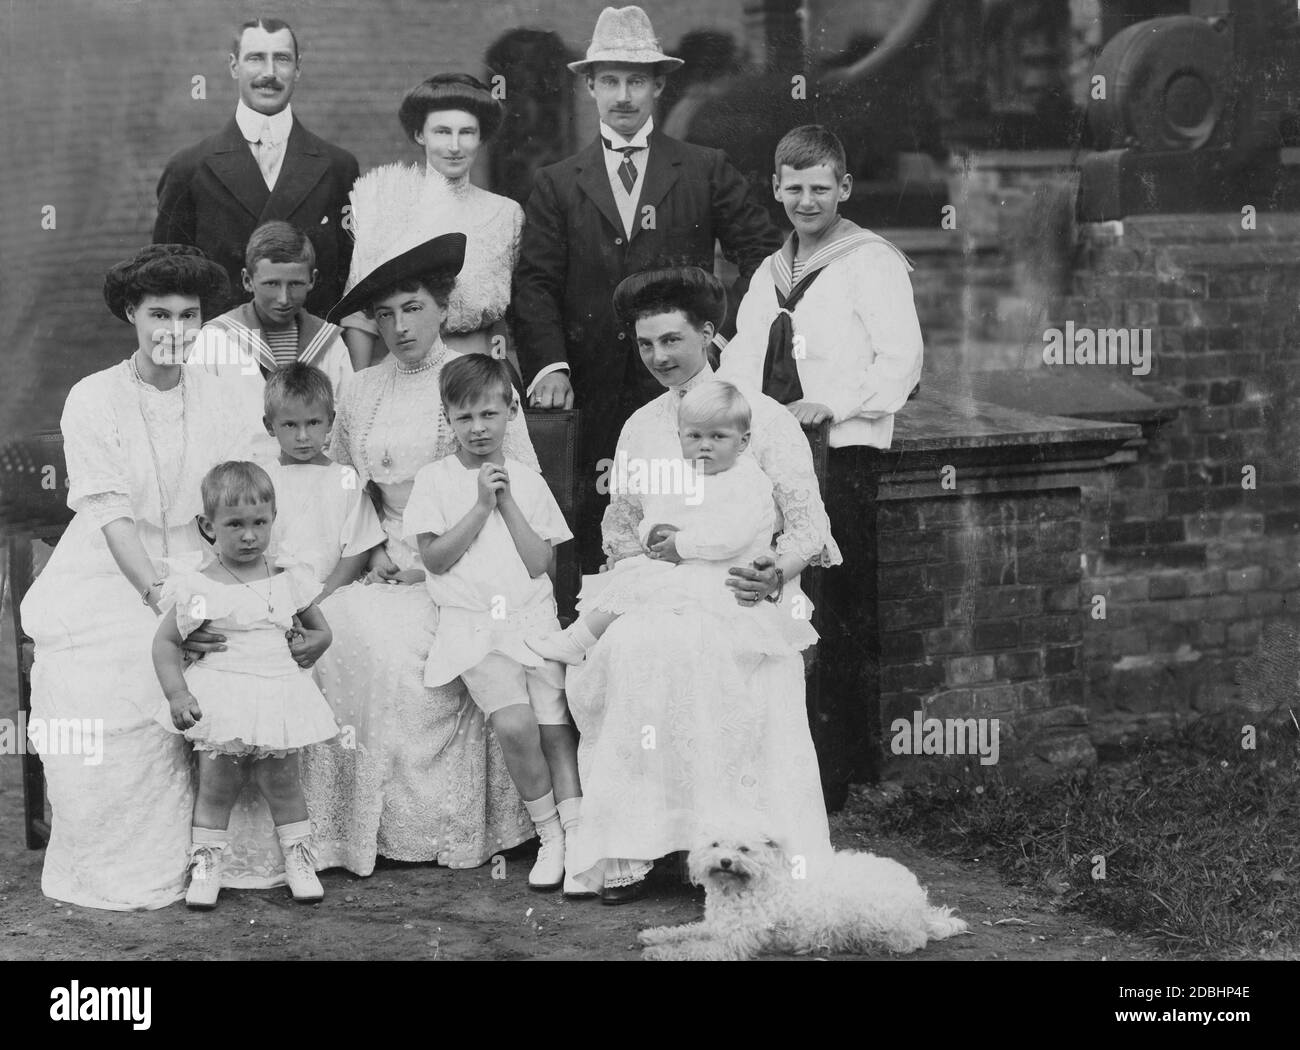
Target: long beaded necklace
165,497
270,609
434,359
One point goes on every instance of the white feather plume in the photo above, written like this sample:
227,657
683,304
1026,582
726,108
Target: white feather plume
394,208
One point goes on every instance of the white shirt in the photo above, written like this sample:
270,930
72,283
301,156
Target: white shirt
862,348
258,127
627,202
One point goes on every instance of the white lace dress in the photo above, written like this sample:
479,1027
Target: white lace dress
254,701
416,775
684,727
121,828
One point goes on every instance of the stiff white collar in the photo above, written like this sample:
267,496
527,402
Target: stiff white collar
251,123
641,140
702,376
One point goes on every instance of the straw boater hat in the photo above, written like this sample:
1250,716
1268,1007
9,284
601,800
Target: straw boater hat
625,35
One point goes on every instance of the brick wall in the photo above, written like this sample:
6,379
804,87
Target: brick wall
980,617
1196,569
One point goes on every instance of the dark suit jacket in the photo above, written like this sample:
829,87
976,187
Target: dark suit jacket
574,253
212,195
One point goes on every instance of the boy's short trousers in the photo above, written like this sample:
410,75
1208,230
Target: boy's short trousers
499,681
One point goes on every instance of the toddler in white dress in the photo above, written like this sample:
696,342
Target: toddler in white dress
486,527
250,703
718,514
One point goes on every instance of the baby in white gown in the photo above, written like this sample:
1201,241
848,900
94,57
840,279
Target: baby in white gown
702,515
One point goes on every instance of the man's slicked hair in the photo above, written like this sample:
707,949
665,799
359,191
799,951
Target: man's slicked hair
270,25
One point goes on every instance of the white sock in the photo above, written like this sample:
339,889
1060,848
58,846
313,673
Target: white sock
542,810
570,812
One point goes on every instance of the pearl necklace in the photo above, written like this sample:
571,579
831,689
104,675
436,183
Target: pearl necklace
390,389
165,498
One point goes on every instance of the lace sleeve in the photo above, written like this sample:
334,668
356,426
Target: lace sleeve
340,447
103,507
516,235
619,526
786,458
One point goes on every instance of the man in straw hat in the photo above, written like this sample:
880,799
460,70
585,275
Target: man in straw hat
632,200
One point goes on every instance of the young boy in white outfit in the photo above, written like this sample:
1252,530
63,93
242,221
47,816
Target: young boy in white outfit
486,527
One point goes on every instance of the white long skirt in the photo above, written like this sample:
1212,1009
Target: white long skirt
689,730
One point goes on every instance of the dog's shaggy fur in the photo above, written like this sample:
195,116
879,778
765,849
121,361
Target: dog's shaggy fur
756,902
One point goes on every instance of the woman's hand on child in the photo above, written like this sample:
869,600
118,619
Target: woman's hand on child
809,413
201,641
185,710
493,484
306,646
665,547
754,582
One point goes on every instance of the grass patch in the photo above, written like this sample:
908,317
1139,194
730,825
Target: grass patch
1193,843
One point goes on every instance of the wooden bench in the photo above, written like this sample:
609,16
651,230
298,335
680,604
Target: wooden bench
30,511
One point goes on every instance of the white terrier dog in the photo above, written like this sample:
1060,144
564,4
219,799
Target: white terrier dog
755,901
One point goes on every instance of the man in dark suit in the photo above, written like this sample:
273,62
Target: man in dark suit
262,165
633,200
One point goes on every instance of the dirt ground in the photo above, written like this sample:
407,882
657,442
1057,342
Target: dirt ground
416,911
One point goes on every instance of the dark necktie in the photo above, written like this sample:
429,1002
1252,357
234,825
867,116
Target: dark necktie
627,170
780,371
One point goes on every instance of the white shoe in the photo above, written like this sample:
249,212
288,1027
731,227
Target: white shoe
557,645
300,866
573,889
548,872
205,876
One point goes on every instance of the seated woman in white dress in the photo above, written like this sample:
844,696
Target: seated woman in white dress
449,116
138,438
703,514
686,723
416,775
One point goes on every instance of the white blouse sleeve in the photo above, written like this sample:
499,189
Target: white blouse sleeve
92,448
